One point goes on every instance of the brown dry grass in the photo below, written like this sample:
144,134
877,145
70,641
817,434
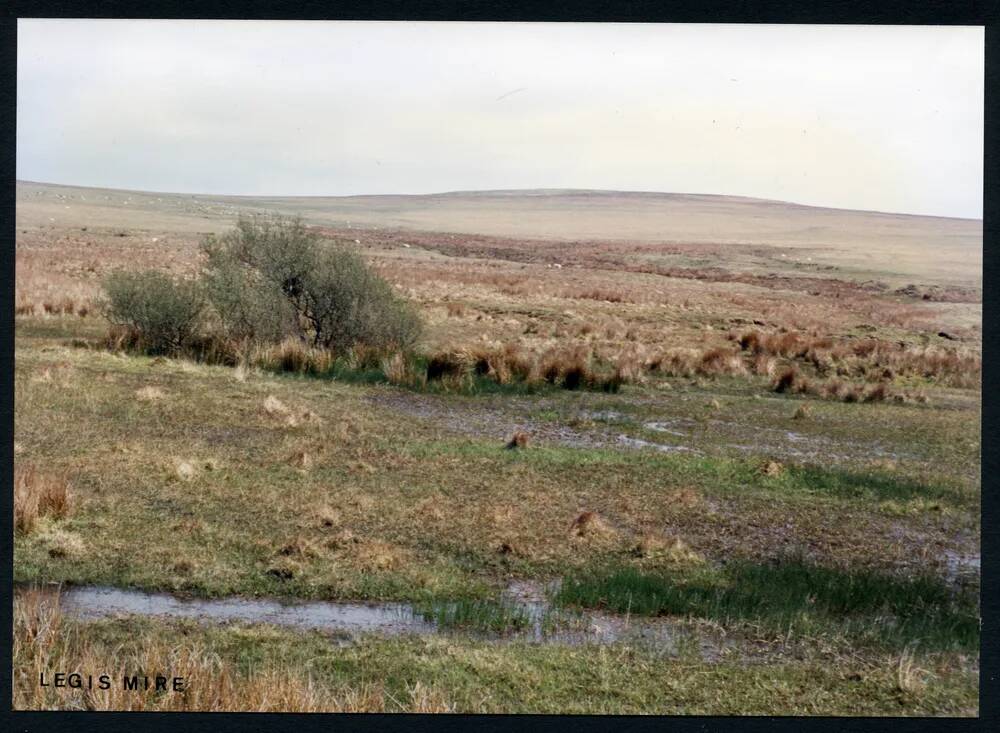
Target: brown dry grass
290,416
185,470
301,460
150,393
591,524
292,355
44,641
772,468
398,370
871,359
38,494
665,549
518,440
599,324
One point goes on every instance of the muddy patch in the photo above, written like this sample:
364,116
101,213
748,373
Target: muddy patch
796,446
485,418
499,418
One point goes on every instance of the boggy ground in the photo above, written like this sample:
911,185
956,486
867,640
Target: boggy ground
185,478
212,481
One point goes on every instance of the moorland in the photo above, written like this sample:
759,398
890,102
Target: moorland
748,426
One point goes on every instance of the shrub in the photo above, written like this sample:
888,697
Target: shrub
249,307
271,278
163,314
346,303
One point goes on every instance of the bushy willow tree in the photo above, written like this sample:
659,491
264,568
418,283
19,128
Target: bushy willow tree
160,313
271,278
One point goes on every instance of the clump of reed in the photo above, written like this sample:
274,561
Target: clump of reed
870,359
791,381
292,355
44,639
38,494
567,367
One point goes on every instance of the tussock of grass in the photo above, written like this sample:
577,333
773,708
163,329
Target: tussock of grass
38,494
511,368
666,549
871,359
518,440
793,595
589,524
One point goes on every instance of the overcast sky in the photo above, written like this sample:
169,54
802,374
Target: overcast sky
884,118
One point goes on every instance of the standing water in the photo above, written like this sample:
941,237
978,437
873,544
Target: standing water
546,624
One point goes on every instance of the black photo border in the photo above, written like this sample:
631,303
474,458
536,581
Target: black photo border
841,12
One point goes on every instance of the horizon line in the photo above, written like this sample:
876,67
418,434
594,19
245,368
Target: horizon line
457,192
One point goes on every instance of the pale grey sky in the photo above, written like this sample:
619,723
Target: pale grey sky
872,117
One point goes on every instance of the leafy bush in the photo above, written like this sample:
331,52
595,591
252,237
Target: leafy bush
249,307
270,278
163,314
346,303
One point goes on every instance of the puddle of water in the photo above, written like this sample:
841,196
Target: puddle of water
485,418
548,625
664,427
604,415
99,602
639,443
962,565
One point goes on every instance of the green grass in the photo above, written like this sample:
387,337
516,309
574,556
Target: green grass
438,506
726,474
871,484
793,595
484,615
474,676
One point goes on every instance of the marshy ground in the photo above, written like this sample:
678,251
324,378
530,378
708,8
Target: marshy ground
812,550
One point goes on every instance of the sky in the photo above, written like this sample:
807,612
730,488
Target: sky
886,118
